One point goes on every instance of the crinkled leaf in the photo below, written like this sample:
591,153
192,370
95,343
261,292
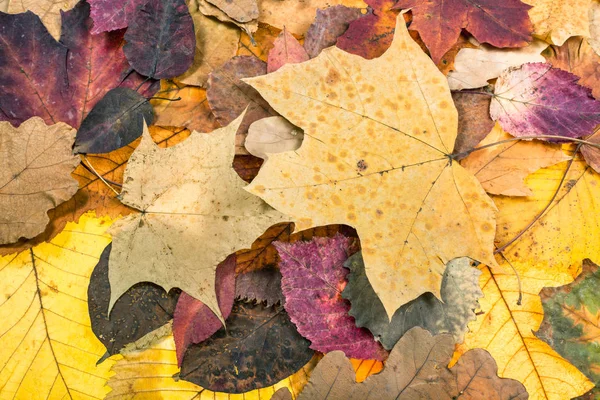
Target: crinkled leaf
329,24
460,294
208,9
110,15
114,122
313,277
272,135
142,309
238,10
375,157
259,347
193,321
74,75
416,369
537,99
160,39
35,175
439,22
262,286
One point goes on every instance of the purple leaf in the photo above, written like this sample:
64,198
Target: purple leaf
536,99
160,39
330,23
313,280
110,15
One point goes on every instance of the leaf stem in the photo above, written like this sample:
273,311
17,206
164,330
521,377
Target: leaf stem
91,168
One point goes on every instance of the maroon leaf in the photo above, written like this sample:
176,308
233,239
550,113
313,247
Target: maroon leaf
160,39
286,50
263,286
74,75
536,99
330,23
194,322
439,22
110,15
313,280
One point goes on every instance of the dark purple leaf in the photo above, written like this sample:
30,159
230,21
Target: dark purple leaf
110,15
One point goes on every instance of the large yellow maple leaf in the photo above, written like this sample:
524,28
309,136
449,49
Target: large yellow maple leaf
376,156
549,254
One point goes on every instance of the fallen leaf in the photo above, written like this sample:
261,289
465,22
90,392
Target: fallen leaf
329,24
592,154
114,122
577,57
262,286
184,229
49,11
153,368
259,347
473,68
416,369
439,22
502,169
238,10
74,76
142,309
313,277
47,347
209,9
35,175
375,157
474,122
110,15
594,15
286,50
537,99
228,96
260,44
160,39
215,44
571,322
548,254
556,20
460,294
272,135
194,322
247,167
371,35
297,15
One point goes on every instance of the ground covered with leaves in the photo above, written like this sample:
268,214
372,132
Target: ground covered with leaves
254,199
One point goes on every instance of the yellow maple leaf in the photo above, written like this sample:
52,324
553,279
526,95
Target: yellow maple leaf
557,20
47,347
376,156
549,254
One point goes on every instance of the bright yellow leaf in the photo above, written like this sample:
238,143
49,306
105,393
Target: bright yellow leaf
550,253
47,347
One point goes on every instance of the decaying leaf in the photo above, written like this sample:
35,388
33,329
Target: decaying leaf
262,286
160,39
238,10
474,67
439,22
460,294
259,347
286,50
194,322
114,122
215,44
47,347
142,309
35,175
416,369
74,75
194,213
228,96
537,99
502,169
548,254
272,135
209,9
375,156
474,122
297,15
152,370
577,57
313,277
591,154
556,20
329,24
110,15
572,321
49,11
